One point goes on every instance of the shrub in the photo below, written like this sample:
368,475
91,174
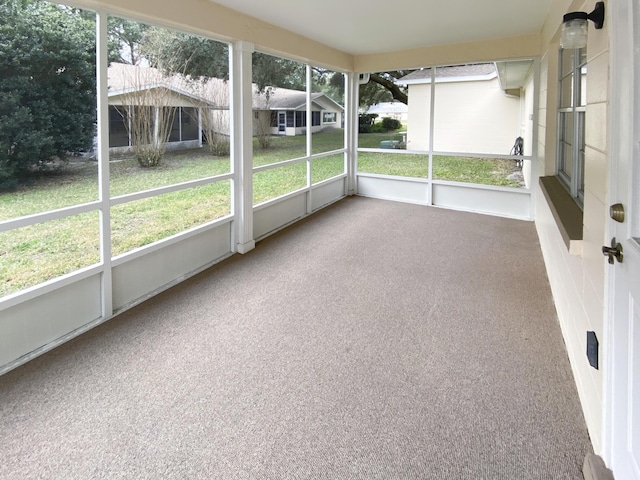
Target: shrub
389,124
378,128
365,122
219,145
47,87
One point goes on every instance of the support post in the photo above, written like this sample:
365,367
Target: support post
104,192
351,131
242,146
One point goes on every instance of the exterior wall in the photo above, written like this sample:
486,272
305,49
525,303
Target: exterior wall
171,146
578,281
471,116
419,117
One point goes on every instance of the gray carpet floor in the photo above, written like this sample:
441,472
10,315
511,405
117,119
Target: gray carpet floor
372,340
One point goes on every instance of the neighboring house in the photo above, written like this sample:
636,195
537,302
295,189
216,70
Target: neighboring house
396,110
286,111
201,108
492,97
190,105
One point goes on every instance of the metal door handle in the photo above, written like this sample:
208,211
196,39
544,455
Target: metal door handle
613,252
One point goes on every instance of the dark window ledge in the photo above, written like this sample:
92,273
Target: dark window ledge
566,212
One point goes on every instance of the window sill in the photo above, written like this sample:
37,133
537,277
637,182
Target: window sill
566,212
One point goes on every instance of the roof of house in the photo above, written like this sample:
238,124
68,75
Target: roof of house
388,107
287,99
123,79
512,74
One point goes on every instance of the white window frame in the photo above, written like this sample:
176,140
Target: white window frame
570,149
333,116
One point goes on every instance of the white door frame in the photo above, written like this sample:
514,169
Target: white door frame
623,123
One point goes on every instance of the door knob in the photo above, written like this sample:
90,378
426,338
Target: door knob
613,252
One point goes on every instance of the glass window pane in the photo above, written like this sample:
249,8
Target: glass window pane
566,62
143,222
566,139
47,108
327,167
581,151
32,255
566,92
169,94
278,181
483,171
583,86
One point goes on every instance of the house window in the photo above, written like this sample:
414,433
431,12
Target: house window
315,119
301,119
190,128
328,117
176,115
571,121
118,132
290,119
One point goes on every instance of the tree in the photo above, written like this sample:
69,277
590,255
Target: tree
383,87
47,87
125,37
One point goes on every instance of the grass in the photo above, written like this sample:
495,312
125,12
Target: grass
31,255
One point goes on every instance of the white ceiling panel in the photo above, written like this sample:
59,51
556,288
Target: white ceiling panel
376,26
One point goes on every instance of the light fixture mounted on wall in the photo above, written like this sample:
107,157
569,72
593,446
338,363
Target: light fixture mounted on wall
574,26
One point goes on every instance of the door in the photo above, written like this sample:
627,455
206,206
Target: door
282,123
622,384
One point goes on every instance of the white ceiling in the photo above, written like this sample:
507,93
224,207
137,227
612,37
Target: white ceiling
376,26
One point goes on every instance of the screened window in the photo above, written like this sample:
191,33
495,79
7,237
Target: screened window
118,132
571,121
301,119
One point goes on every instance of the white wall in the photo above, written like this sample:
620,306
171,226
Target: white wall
470,116
577,281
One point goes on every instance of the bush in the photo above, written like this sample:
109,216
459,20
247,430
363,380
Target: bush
389,124
365,122
47,88
219,145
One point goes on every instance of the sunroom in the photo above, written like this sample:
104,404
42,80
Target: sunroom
352,285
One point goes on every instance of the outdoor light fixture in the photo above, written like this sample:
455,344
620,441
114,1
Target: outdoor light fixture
574,26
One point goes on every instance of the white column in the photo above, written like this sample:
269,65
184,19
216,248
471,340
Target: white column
432,129
103,161
351,131
536,167
200,126
242,145
309,140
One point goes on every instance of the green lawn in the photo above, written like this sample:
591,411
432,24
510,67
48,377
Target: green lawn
31,255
